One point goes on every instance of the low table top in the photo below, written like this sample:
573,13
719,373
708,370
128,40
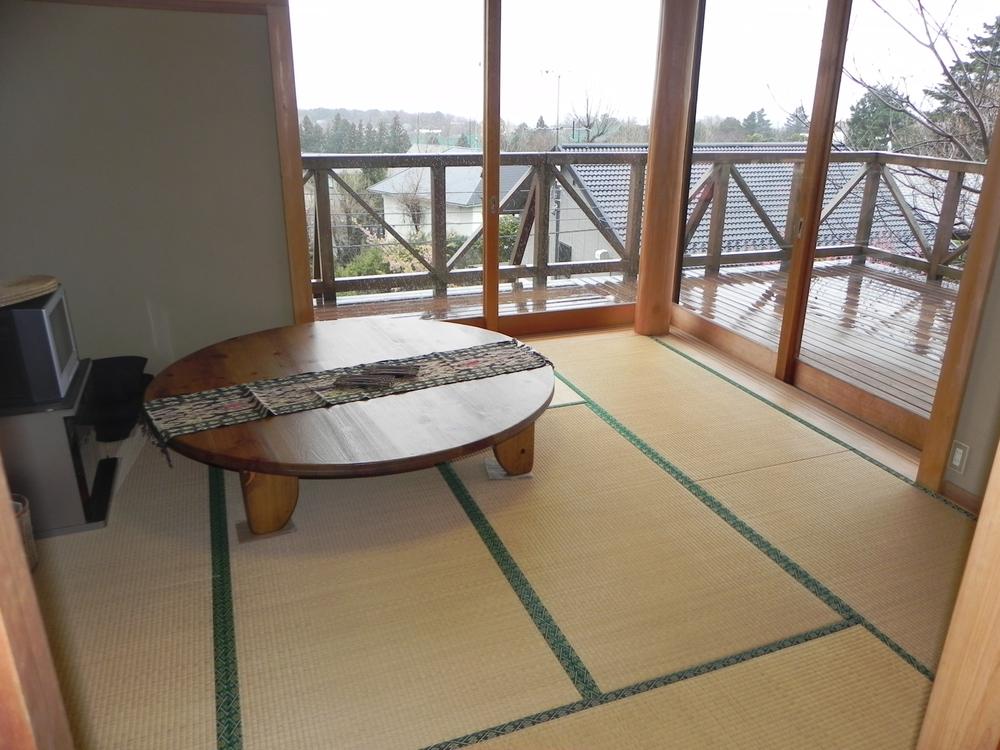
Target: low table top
384,435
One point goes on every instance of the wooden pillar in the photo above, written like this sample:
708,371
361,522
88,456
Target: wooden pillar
965,701
863,237
491,164
946,224
324,237
439,229
792,214
668,165
821,124
543,185
633,223
977,277
32,716
286,114
717,223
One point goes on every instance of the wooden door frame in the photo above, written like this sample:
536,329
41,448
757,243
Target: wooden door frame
32,713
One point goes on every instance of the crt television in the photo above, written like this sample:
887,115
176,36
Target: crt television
38,356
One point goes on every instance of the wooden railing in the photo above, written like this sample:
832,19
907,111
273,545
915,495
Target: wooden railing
932,247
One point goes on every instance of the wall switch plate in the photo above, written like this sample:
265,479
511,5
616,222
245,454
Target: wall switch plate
959,455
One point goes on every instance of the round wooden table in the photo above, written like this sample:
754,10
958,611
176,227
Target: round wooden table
384,435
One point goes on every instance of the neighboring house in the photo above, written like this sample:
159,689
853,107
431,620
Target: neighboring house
606,187
406,196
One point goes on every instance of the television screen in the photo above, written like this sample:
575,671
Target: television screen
62,339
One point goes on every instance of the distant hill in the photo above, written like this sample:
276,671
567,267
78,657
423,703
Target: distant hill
448,125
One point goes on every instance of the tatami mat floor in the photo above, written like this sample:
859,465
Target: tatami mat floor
688,566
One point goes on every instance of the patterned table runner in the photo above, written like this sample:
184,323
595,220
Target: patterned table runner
173,416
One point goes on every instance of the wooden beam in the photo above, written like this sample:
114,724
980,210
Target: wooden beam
739,347
717,221
286,112
980,263
946,224
439,230
904,206
844,191
755,205
965,700
504,204
668,166
543,183
862,238
633,222
382,222
698,212
600,223
32,715
824,116
324,237
524,225
491,163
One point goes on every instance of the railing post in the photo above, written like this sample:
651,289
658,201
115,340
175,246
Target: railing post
439,230
792,215
633,225
946,224
868,200
324,237
543,177
717,225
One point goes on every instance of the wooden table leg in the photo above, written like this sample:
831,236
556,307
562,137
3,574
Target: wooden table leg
269,500
517,454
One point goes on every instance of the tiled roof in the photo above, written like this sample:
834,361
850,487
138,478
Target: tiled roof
463,185
608,185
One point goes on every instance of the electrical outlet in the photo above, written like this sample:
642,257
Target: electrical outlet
959,455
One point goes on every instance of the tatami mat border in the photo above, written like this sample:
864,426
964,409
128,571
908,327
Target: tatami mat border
639,687
814,428
795,570
228,722
568,403
553,635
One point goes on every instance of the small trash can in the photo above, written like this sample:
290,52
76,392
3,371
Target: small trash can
23,516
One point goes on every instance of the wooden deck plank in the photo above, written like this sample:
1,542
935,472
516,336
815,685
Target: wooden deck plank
882,331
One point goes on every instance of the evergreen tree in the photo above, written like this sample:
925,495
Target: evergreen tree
540,125
968,100
310,136
796,125
397,142
874,125
757,127
462,141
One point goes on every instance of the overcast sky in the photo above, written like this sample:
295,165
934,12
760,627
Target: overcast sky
426,56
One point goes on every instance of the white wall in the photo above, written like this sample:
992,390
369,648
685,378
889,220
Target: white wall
139,165
979,422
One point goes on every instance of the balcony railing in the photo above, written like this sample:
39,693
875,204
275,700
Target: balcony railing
912,212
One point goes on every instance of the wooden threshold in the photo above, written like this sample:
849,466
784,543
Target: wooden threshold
896,421
605,316
747,351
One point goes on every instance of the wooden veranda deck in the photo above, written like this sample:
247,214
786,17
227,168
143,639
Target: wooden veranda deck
873,326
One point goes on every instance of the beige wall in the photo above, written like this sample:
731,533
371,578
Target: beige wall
979,424
138,163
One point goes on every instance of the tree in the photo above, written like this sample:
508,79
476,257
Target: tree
955,118
462,141
397,142
310,136
757,127
540,125
876,126
594,123
796,127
